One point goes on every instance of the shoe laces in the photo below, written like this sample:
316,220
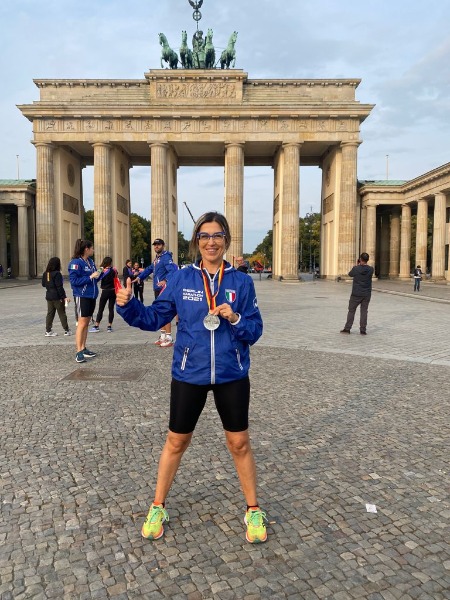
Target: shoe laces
154,513
256,518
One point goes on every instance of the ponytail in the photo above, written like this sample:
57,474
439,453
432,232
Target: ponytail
80,247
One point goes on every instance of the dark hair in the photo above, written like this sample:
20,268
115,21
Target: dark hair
128,260
80,247
209,217
364,256
106,262
54,264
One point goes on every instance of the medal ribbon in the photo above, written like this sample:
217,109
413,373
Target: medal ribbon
209,297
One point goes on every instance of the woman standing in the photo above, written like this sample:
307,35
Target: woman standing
83,276
108,294
218,321
56,297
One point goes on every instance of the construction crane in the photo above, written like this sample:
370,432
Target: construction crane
188,209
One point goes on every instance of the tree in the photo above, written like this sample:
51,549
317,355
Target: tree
140,238
309,241
89,226
263,252
183,249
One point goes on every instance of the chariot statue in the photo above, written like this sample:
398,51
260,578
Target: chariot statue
203,54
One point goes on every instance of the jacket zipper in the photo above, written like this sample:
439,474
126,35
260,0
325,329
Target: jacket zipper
185,355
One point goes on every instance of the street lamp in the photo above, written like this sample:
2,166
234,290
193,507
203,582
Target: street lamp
142,262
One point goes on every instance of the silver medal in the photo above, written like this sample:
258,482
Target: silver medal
211,322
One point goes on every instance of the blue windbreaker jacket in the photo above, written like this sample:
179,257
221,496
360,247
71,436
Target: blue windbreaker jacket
80,271
162,268
200,356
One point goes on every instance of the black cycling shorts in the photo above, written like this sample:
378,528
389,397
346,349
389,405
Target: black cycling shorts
187,401
85,306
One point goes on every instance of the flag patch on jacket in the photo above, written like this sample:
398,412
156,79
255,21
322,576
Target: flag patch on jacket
230,295
73,267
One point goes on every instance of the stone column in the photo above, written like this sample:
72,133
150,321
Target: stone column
45,206
23,247
394,246
160,191
234,198
102,202
371,233
422,234
405,242
290,207
439,224
347,208
3,253
14,244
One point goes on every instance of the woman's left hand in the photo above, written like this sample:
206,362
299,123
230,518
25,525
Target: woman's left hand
225,311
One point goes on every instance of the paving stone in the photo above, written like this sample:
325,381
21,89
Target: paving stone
335,424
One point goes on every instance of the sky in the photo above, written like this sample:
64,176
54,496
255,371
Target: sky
399,49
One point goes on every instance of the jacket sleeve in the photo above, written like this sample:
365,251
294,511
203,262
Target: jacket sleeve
250,326
149,318
352,273
59,284
146,272
44,279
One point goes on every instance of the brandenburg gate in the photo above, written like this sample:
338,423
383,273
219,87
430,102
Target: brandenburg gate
202,117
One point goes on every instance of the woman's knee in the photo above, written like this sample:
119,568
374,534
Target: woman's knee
238,443
177,443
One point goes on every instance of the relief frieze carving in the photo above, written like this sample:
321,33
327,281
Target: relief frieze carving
196,90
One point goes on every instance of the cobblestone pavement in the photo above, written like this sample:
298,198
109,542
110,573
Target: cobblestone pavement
338,422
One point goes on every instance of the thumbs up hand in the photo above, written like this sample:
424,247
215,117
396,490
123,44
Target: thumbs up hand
124,295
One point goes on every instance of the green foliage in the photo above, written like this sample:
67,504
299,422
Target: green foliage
309,241
183,249
140,239
89,226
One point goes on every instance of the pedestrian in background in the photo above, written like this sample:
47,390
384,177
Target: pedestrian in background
108,295
219,320
83,275
162,268
138,285
56,297
127,272
242,266
361,293
417,278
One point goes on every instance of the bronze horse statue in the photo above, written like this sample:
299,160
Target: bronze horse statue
210,54
229,54
167,54
185,52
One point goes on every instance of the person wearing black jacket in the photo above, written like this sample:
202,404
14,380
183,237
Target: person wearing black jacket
127,272
56,297
109,273
361,292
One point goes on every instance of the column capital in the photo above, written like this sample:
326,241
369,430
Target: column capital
236,144
158,144
101,144
291,145
350,143
43,144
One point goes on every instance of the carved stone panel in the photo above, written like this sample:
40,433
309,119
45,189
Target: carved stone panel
71,204
122,204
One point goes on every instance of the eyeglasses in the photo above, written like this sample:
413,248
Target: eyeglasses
217,237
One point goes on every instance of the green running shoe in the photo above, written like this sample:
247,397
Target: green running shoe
153,529
256,529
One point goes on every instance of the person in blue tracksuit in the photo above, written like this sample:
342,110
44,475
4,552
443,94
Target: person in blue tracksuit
162,268
219,320
83,275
